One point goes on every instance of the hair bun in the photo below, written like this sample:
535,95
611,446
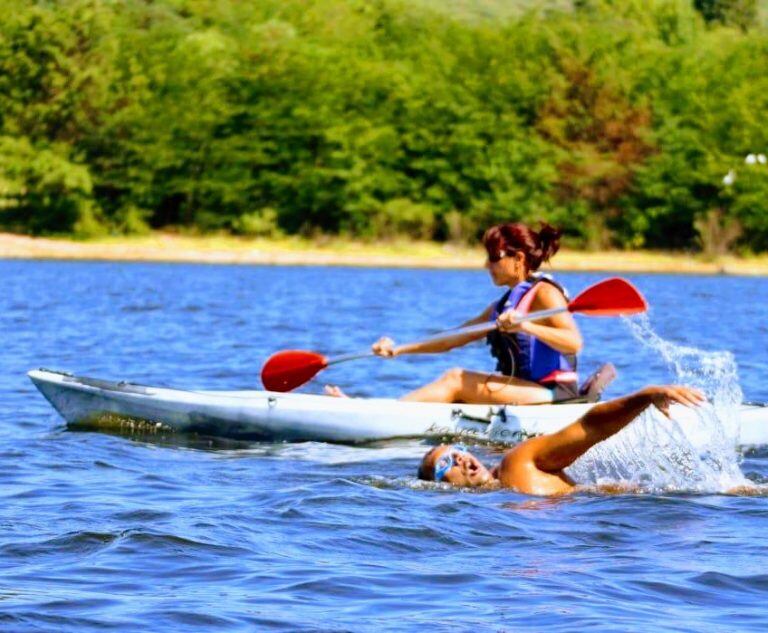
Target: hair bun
549,240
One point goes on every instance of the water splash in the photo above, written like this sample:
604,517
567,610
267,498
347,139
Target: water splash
696,449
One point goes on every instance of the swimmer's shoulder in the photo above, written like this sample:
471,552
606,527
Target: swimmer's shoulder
518,470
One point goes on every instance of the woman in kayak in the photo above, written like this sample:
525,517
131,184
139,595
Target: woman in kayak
536,361
536,466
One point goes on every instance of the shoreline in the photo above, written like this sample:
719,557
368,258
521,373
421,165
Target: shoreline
221,249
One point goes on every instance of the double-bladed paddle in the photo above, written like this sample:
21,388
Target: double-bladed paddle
289,369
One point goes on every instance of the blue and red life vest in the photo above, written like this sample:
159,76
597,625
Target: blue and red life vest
522,355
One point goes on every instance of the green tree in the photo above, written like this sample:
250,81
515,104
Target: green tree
42,191
738,13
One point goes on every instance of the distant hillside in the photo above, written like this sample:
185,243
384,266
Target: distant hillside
472,10
494,9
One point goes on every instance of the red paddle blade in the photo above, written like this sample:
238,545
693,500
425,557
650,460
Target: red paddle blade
611,297
287,370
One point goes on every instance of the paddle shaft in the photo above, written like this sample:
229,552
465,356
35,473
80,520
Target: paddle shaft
289,369
445,337
346,357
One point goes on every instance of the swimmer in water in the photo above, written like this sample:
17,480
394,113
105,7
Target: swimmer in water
536,466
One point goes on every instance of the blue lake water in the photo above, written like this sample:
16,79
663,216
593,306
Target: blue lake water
104,531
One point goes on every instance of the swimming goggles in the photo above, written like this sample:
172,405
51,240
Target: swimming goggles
445,463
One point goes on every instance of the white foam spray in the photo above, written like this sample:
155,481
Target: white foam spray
696,449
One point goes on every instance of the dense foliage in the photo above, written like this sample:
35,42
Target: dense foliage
618,120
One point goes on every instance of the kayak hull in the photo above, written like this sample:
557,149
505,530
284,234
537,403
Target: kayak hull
271,416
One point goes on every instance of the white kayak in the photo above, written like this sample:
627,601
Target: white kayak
272,416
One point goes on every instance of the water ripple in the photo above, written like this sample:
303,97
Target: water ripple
155,532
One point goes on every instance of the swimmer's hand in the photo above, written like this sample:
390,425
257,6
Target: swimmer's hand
385,347
663,396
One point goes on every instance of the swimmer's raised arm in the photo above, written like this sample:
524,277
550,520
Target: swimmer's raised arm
552,453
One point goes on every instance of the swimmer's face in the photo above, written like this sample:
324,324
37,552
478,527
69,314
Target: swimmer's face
455,465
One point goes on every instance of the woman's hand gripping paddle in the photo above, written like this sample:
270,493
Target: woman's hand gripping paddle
289,369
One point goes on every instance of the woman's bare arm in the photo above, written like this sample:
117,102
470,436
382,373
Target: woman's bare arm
559,331
484,316
565,337
386,346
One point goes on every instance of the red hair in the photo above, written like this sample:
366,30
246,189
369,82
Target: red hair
508,238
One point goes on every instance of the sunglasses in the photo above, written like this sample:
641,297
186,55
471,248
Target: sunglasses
445,463
494,258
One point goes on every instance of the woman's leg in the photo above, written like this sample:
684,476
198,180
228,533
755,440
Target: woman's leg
473,387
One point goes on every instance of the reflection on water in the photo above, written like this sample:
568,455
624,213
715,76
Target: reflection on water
537,504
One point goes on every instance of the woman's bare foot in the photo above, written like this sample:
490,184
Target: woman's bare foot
334,391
